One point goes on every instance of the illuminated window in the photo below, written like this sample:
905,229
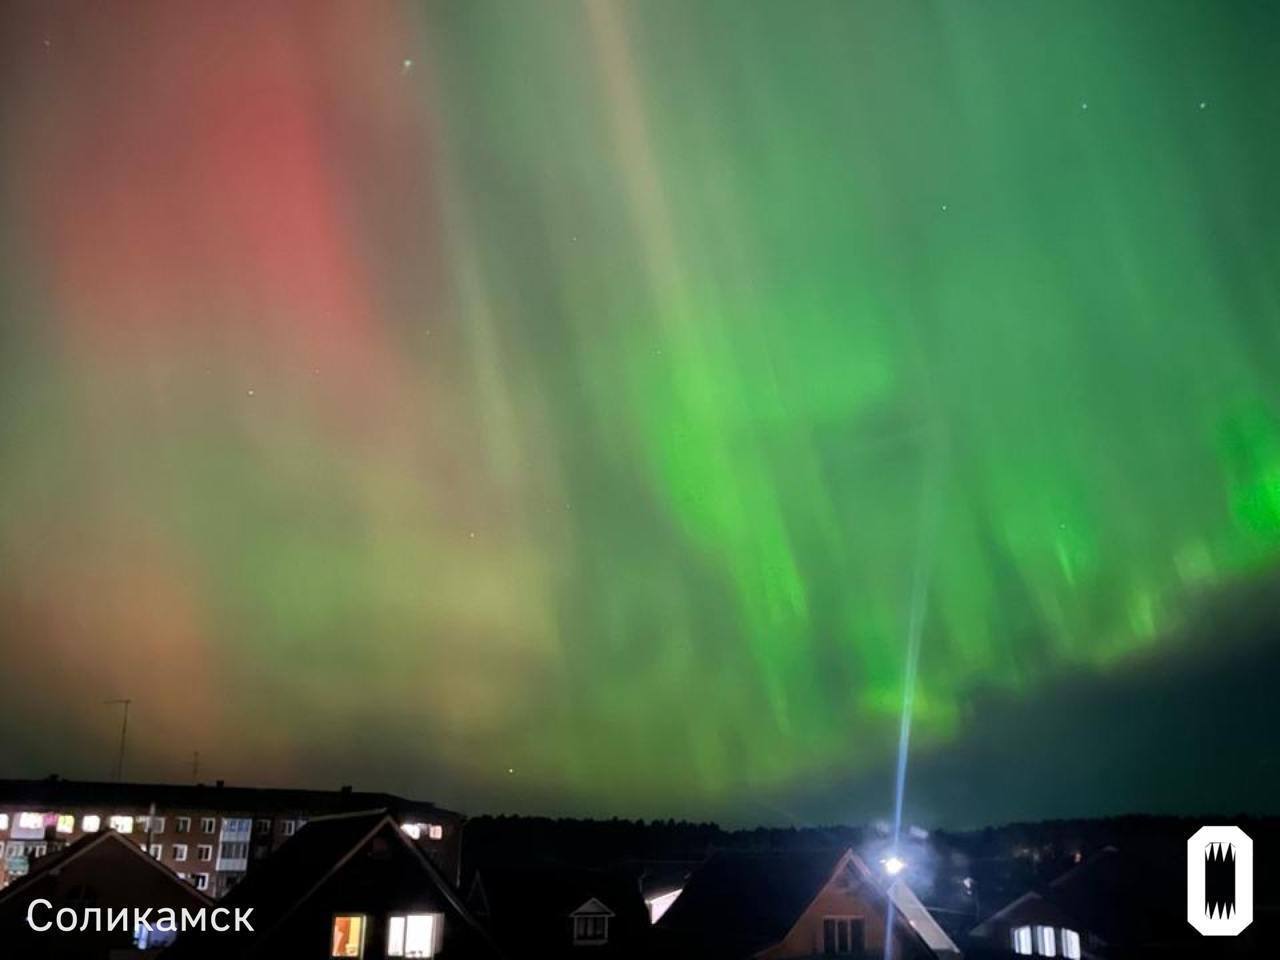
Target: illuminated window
413,935
121,824
4,821
843,936
201,880
348,936
1070,944
180,852
435,831
1046,942
183,825
91,823
66,823
31,821
412,830
1022,941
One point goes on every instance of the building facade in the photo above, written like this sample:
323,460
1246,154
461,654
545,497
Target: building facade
210,835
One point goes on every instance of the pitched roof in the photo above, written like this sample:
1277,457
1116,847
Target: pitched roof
743,902
284,882
921,920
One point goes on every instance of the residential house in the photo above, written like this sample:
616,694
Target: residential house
1033,926
351,886
787,905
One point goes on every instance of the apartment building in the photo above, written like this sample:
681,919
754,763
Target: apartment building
210,835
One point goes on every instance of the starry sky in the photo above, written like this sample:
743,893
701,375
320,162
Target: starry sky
579,406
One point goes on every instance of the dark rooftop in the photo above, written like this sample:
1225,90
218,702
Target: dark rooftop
53,792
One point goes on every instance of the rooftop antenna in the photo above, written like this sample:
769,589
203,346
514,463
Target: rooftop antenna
118,772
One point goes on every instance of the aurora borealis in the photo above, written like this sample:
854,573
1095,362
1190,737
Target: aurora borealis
551,405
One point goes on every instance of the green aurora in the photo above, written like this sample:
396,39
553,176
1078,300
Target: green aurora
584,453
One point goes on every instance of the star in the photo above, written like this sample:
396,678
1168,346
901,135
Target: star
406,66
1084,104
1203,104
251,393
944,208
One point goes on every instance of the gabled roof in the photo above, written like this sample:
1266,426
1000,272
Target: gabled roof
1028,908
50,864
744,902
284,883
738,904
592,908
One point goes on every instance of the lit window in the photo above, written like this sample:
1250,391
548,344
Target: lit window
31,821
91,823
201,880
66,823
1046,942
591,929
180,852
435,831
348,936
412,830
4,821
1022,941
183,825
121,824
413,935
843,935
1070,944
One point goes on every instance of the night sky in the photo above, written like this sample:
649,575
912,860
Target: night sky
579,406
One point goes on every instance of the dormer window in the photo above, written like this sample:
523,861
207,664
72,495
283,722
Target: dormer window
591,924
1070,944
590,930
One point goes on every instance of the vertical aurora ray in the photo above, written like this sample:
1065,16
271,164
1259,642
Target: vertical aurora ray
550,388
